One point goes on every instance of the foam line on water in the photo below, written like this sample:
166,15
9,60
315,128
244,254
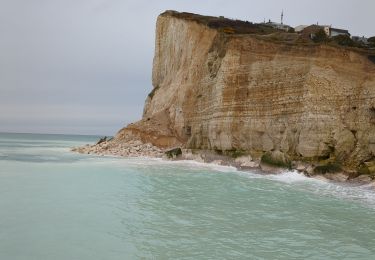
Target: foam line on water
291,177
144,161
185,163
363,194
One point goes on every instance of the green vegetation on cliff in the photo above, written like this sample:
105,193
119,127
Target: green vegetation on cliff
276,159
225,25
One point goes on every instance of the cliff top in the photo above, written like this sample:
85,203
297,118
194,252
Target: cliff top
261,31
224,24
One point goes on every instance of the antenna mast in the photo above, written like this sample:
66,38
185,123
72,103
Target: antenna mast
282,16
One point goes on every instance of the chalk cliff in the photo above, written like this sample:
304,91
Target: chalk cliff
215,89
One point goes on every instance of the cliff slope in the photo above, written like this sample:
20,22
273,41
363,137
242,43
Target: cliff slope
224,90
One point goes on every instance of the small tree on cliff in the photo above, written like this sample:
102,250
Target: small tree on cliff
344,40
371,41
320,36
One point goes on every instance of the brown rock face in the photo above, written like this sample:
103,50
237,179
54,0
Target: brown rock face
243,92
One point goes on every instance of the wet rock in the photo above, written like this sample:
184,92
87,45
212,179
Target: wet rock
218,162
362,179
339,177
276,159
101,140
271,168
245,161
300,167
309,171
174,153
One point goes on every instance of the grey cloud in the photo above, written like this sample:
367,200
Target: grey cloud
84,66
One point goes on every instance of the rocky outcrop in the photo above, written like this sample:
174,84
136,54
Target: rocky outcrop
130,148
215,89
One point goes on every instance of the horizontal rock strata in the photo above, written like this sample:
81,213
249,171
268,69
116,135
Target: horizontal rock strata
230,92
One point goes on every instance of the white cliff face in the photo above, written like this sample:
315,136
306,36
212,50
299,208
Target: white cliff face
181,49
243,92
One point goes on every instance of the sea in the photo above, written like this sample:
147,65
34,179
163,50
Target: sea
60,205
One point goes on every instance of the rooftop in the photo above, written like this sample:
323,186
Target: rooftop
339,30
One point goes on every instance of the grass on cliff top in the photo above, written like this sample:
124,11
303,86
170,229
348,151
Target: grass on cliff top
239,27
223,24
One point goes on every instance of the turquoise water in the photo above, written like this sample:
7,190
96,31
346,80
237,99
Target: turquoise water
55,204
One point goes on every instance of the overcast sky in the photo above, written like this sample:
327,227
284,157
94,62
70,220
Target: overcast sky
84,66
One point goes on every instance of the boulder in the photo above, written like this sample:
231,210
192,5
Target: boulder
102,140
276,159
174,153
245,161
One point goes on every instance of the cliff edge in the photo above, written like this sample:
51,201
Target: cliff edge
240,88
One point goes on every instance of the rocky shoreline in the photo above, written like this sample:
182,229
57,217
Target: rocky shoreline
132,148
278,107
136,148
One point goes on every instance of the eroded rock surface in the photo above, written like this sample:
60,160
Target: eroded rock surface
232,92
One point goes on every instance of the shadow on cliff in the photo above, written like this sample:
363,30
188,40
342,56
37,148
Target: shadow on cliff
372,58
